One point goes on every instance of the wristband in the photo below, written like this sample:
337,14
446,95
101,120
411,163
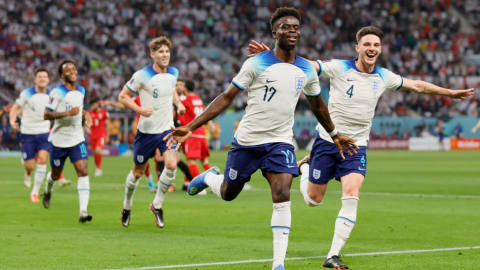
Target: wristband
333,133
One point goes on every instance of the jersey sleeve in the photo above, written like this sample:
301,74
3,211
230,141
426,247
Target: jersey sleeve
136,82
246,75
392,81
312,88
53,99
22,99
331,68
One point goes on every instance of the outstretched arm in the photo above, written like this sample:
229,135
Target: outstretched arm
5,110
422,87
218,105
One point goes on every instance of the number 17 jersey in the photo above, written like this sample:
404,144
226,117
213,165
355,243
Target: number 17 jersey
273,91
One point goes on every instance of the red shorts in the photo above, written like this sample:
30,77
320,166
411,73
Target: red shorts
97,142
196,148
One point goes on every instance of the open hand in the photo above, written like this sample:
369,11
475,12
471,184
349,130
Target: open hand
462,94
257,48
343,142
178,136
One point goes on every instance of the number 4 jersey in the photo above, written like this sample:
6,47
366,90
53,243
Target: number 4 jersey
67,131
273,91
353,97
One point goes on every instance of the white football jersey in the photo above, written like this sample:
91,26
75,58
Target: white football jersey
155,90
67,131
33,104
354,96
273,91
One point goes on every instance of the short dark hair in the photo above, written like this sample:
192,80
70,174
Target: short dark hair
94,100
190,85
40,69
370,30
157,43
180,80
283,12
60,66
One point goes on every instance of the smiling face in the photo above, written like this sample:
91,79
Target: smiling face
41,79
368,49
161,57
69,73
287,32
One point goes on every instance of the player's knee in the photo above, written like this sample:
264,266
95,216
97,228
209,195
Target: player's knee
55,175
171,165
351,193
228,197
137,174
312,202
82,172
30,166
42,161
281,196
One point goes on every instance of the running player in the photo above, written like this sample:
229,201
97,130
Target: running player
355,89
196,146
155,85
65,106
5,109
99,133
274,80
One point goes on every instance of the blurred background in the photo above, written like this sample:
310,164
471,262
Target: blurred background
434,40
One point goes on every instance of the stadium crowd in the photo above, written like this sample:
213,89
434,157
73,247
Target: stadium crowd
421,39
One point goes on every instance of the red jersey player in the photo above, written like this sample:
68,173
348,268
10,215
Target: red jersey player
196,146
99,133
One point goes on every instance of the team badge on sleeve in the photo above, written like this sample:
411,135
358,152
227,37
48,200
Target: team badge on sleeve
299,83
316,173
232,174
375,85
140,158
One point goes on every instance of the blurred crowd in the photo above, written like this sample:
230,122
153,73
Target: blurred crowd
421,39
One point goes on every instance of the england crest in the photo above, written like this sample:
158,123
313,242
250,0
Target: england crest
56,162
375,85
300,83
140,158
24,155
232,174
316,173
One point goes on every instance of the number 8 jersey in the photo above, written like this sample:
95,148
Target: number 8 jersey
273,91
156,91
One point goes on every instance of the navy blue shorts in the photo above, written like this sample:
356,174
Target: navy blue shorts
145,145
58,155
326,162
32,144
243,161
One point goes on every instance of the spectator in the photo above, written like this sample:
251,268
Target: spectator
215,130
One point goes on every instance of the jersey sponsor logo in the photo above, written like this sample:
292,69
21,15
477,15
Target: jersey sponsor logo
299,83
139,158
375,85
316,173
271,81
232,174
56,162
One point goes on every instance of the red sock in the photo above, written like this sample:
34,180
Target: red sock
61,176
98,161
147,170
194,171
206,166
29,173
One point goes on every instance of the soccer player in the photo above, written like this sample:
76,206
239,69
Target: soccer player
274,80
5,109
440,130
356,85
65,106
99,133
155,85
196,146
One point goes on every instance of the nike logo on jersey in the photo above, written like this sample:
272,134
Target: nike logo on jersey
348,80
271,81
361,169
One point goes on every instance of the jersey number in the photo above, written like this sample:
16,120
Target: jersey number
68,108
197,111
350,91
155,93
273,90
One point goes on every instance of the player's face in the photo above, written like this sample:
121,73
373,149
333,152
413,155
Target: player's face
368,49
69,73
287,32
95,106
161,56
180,87
41,79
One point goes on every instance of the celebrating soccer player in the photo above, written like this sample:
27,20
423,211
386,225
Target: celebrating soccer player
155,85
99,133
275,80
356,85
65,106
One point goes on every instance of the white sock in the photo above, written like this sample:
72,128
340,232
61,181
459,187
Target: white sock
130,186
38,178
281,222
304,186
83,187
215,183
344,224
50,183
165,181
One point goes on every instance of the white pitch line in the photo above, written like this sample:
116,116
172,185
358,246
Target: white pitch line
303,258
445,196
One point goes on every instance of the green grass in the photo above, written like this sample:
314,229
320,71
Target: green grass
205,229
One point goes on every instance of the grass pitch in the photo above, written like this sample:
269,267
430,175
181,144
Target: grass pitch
399,210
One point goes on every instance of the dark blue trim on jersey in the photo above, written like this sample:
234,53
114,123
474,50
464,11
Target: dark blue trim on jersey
320,64
351,64
266,59
237,85
353,222
312,95
129,88
400,84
